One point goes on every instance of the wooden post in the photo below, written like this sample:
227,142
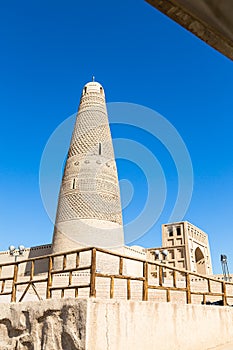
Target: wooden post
204,299
209,285
64,261
128,289
145,282
32,270
111,287
93,273
121,266
160,275
3,282
168,296
14,286
174,278
188,288
77,259
224,297
70,278
3,286
49,278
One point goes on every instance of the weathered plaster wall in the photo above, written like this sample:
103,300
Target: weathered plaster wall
46,325
93,324
149,325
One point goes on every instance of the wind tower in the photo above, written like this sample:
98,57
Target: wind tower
89,207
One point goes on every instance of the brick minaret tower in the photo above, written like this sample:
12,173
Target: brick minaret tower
89,207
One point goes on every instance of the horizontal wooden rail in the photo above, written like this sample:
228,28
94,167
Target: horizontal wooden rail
2,279
74,269
6,293
44,257
167,288
209,294
132,278
70,287
71,266
30,281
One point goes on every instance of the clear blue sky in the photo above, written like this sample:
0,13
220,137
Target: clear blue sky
50,49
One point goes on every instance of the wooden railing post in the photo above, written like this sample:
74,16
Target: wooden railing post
160,275
121,266
128,289
111,287
209,285
14,286
64,261
3,286
224,291
77,259
145,282
32,270
70,278
49,278
3,282
188,288
174,278
93,273
168,296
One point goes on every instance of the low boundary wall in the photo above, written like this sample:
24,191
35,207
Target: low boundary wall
96,324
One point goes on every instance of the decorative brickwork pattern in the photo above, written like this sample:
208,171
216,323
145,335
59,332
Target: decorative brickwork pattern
90,188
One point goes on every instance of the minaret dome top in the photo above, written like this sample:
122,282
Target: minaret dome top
93,86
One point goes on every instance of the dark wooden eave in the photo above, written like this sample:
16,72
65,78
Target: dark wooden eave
210,20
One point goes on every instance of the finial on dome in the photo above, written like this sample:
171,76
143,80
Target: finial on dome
93,78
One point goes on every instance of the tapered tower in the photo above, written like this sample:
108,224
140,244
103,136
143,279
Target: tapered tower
89,207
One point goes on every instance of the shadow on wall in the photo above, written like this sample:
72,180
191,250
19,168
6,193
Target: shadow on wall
200,261
41,266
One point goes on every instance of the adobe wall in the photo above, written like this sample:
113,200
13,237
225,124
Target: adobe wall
29,253
108,263
95,324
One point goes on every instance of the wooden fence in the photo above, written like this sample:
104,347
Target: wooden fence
21,276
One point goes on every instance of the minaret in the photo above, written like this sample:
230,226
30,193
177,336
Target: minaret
89,207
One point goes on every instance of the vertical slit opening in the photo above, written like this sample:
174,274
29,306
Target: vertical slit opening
100,150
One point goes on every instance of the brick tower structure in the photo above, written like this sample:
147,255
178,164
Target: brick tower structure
187,247
89,207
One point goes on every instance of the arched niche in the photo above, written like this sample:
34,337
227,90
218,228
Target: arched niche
200,261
